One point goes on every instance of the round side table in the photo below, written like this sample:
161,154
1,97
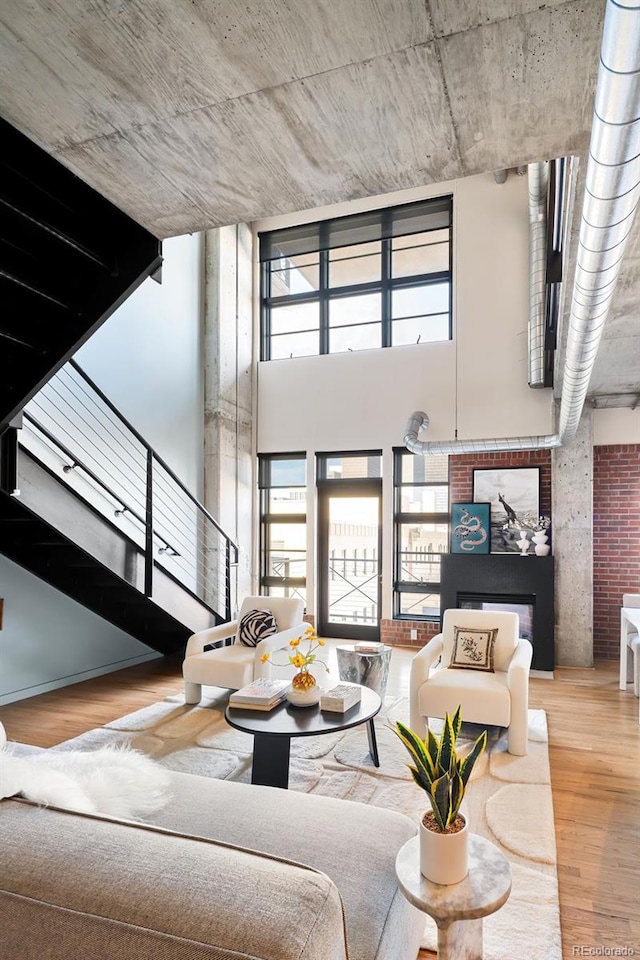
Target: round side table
458,909
368,669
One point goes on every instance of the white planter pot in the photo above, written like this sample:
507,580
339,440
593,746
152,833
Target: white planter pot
444,857
540,537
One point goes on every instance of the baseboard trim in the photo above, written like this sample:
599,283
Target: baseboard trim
37,689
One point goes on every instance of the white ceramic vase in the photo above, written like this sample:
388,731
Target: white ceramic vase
303,698
444,857
541,545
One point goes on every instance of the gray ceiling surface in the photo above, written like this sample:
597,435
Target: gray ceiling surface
197,113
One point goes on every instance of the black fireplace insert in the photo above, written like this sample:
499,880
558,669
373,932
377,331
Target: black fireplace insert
506,582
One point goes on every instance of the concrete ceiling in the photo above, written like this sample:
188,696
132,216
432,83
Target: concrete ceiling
196,113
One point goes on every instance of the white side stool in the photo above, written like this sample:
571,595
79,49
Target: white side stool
458,909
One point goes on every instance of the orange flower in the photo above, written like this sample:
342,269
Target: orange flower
264,658
295,642
320,642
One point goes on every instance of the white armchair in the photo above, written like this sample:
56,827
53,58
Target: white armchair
236,665
632,647
500,698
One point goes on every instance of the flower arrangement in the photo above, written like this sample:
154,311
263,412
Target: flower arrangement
528,522
302,661
536,524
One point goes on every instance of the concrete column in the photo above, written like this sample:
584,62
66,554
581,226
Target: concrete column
572,538
229,482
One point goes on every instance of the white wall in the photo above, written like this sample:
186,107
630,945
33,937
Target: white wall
147,358
49,640
475,385
615,426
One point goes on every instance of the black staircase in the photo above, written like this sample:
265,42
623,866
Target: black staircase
68,259
85,503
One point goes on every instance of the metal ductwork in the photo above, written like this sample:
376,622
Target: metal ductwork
612,191
538,175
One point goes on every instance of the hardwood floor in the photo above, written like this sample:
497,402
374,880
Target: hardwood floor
595,769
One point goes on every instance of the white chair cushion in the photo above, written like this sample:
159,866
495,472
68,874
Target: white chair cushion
225,667
484,697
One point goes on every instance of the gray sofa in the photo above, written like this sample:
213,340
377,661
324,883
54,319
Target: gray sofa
226,871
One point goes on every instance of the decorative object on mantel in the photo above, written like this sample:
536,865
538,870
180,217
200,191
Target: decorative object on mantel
470,527
304,690
513,492
539,526
443,775
541,548
524,543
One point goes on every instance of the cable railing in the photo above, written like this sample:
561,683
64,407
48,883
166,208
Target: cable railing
74,427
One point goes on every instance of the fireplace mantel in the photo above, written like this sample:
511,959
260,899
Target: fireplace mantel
506,575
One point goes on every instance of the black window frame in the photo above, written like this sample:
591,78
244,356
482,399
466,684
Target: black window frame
378,220
267,519
401,518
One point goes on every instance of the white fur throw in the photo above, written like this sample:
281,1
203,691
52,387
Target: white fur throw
116,781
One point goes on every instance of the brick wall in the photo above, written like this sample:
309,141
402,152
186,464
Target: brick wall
616,541
398,632
461,472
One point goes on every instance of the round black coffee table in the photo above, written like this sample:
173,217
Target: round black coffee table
272,732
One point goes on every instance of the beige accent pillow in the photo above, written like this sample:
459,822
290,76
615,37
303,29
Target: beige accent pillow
473,649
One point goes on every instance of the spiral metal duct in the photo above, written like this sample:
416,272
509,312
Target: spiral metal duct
538,177
612,192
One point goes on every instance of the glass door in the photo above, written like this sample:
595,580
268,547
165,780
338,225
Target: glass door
350,539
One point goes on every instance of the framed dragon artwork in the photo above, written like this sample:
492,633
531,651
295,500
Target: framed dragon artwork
470,528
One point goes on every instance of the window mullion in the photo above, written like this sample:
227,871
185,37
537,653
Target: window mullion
265,283
386,293
324,301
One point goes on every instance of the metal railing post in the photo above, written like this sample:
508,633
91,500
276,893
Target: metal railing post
148,531
227,589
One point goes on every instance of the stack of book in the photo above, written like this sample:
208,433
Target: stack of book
341,698
371,647
262,694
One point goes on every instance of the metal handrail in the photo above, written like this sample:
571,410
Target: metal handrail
75,463
144,443
150,492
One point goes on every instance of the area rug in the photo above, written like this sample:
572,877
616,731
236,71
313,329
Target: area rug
508,801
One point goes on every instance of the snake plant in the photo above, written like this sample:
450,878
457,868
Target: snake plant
439,770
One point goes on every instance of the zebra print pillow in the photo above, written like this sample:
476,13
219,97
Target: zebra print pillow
255,626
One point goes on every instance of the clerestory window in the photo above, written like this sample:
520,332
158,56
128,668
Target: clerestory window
376,279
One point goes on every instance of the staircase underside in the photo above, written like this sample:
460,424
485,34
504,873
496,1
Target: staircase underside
68,259
37,546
